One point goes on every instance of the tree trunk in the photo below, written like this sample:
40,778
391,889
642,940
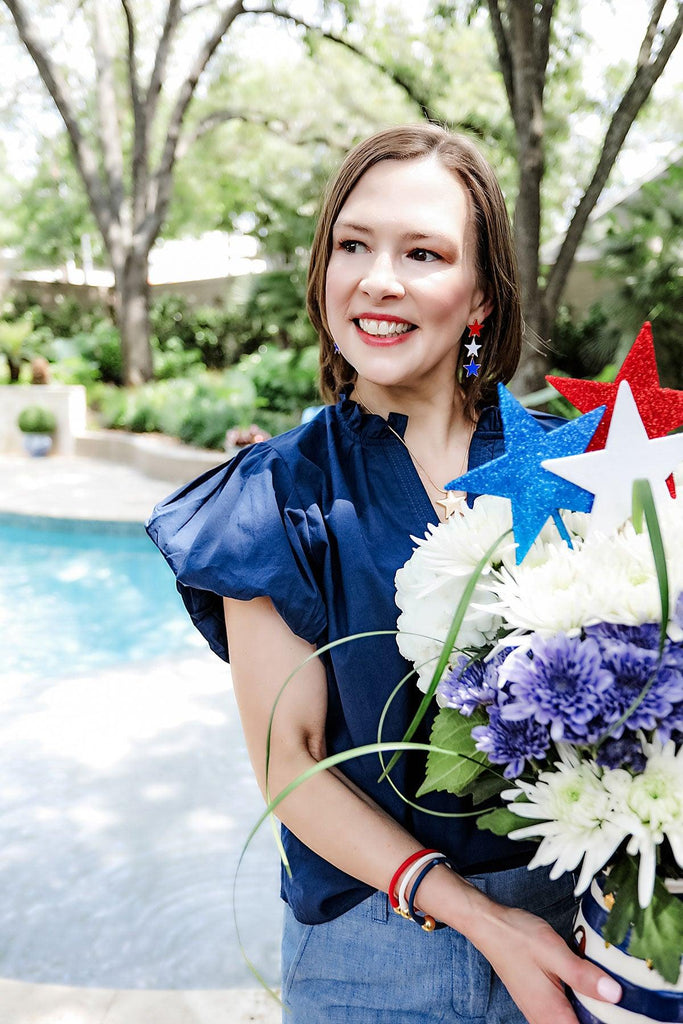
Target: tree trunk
132,314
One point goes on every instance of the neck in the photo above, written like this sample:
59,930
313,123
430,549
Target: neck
439,415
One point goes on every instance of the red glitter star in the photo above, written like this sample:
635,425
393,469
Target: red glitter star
661,409
475,329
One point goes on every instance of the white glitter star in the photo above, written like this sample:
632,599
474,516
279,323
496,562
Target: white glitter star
629,455
472,347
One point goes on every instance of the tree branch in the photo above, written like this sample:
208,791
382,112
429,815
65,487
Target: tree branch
84,157
160,59
159,192
278,125
419,98
645,51
500,34
108,126
542,38
139,159
631,103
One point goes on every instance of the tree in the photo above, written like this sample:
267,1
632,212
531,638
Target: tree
533,47
523,35
127,135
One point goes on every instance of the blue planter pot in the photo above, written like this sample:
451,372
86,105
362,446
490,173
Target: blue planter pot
38,444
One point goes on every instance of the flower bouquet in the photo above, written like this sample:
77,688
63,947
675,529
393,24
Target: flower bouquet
561,633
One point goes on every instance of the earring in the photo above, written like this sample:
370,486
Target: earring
336,347
472,348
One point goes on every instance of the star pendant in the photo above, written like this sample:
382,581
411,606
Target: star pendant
475,329
472,368
450,503
472,348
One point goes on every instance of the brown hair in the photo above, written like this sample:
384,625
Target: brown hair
494,254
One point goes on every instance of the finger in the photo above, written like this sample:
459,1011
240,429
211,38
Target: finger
589,980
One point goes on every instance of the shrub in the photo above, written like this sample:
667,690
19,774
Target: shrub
36,419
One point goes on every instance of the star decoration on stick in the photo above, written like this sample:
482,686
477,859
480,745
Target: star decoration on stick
518,474
628,455
661,409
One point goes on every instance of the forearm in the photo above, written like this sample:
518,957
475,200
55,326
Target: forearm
348,829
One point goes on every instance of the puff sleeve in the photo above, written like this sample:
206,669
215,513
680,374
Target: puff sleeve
241,531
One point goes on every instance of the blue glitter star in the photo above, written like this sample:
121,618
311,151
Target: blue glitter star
472,368
518,475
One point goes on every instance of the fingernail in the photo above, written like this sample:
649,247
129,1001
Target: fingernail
609,989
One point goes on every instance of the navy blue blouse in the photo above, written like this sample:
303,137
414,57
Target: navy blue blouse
319,520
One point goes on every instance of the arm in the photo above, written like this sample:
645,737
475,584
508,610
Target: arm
529,957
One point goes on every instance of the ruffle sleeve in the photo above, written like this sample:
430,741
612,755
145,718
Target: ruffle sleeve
241,531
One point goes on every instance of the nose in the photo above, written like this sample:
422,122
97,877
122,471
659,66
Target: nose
381,280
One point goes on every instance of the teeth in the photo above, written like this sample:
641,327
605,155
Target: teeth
384,327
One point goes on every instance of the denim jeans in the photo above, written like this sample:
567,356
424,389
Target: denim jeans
371,966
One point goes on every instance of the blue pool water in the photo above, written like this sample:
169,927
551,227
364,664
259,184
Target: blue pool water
80,596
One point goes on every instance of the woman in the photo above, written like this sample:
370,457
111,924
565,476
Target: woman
413,291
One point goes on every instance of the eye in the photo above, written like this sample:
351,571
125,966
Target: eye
423,255
352,245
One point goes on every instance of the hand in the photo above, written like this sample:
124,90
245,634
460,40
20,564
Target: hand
534,962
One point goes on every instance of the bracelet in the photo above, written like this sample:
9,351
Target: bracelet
393,899
426,921
404,909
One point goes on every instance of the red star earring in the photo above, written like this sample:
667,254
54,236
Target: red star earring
472,348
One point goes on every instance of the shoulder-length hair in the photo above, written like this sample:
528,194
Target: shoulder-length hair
494,255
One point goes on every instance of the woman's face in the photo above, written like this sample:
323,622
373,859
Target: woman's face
401,283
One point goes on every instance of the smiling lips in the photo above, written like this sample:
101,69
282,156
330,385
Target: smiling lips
383,330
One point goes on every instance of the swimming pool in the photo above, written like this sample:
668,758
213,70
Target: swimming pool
80,595
127,790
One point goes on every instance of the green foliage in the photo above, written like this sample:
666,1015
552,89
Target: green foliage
644,253
14,344
197,410
284,379
585,347
656,931
453,772
36,419
501,821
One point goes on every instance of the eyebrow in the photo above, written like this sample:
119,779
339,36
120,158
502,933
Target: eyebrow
408,236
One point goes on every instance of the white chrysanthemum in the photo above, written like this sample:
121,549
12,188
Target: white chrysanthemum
556,589
574,811
431,583
653,810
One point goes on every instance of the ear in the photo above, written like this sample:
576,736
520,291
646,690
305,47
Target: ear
483,308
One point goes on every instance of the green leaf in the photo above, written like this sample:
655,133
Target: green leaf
658,933
500,821
452,731
485,786
622,883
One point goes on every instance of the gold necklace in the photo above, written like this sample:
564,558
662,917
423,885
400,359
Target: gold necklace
450,502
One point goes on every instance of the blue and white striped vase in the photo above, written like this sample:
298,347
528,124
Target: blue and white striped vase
646,995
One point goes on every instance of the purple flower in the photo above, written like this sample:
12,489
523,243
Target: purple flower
625,752
560,681
646,635
471,684
511,743
633,668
